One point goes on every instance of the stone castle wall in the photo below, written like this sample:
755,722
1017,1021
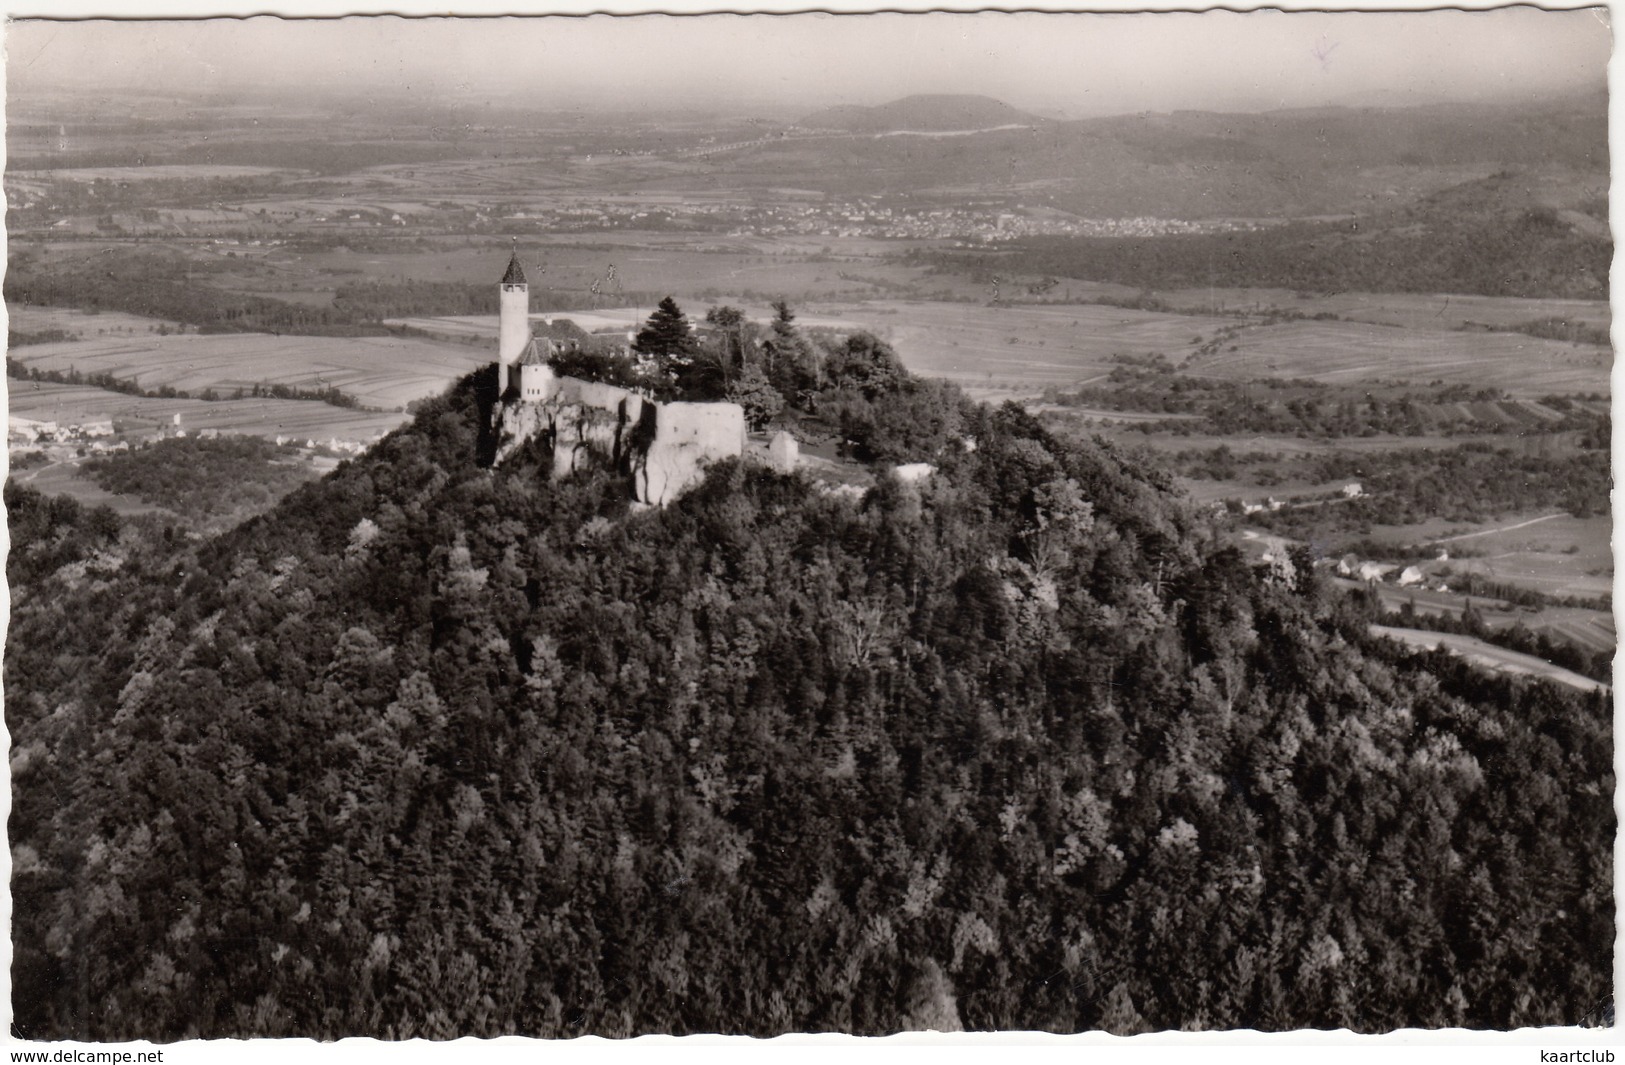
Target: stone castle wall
687,438
664,447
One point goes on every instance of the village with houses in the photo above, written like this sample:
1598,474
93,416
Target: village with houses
61,441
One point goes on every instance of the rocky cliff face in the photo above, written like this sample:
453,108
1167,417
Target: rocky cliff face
578,433
512,424
687,437
663,447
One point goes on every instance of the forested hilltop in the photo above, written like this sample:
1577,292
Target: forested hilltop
435,750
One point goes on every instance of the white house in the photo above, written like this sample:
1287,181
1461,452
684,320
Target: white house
1375,571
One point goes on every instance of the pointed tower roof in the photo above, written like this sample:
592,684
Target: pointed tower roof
516,273
538,350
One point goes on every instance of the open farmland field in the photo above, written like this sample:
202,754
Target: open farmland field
514,176
81,323
1024,348
1556,531
1289,447
1208,492
25,179
744,242
687,270
301,419
1411,310
1590,630
64,479
608,319
1560,556
1355,352
1407,309
690,267
1100,416
381,372
1428,603
1551,553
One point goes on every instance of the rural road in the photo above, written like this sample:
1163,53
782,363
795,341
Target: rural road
1504,528
1489,656
37,470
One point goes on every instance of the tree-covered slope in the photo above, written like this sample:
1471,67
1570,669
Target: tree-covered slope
436,750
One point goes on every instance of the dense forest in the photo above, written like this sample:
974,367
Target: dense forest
431,749
202,479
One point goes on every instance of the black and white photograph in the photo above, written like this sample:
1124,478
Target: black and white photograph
572,524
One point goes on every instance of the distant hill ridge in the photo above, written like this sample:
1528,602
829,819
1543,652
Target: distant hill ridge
1194,164
930,112
1515,233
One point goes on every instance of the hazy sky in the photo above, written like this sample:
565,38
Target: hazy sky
1064,65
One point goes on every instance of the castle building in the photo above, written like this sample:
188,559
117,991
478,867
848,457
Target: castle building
513,322
535,373
664,447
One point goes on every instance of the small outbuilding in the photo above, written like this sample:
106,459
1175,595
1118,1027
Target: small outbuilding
783,452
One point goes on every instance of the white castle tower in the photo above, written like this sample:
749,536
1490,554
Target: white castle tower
536,377
513,327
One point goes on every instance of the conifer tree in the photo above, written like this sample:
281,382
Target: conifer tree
756,394
792,365
666,335
730,323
